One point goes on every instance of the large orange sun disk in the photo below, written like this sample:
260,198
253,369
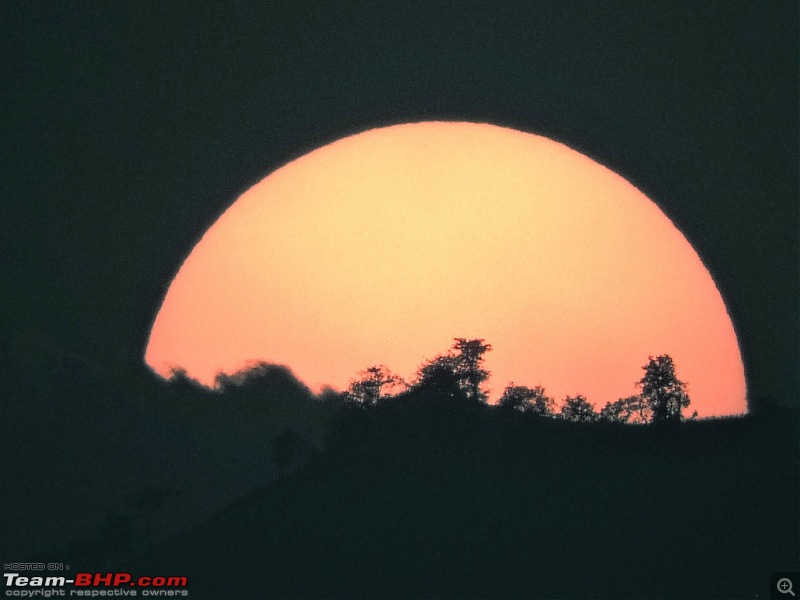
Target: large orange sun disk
384,246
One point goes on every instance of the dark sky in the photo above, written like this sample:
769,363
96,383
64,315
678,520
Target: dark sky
129,127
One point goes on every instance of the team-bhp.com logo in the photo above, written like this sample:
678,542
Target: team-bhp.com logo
95,585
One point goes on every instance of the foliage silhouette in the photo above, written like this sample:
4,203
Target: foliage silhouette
578,409
663,391
437,377
370,388
259,378
613,412
464,362
527,400
633,409
468,367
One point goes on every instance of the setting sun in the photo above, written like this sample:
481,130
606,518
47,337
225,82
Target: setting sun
384,246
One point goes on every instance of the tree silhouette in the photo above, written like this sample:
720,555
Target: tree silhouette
181,383
528,400
260,378
578,409
368,390
468,366
437,378
614,412
626,410
444,363
464,363
662,390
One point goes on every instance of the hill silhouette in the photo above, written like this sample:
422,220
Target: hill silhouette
90,452
261,489
431,494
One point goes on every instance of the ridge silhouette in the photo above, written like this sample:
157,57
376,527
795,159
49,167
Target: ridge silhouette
262,489
431,494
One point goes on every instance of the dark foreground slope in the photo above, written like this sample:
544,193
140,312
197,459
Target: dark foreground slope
431,500
99,463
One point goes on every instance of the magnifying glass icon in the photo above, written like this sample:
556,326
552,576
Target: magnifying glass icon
785,586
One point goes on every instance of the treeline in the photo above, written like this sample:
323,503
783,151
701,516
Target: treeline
461,372
448,384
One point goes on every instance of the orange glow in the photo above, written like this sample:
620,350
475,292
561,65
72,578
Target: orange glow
383,246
